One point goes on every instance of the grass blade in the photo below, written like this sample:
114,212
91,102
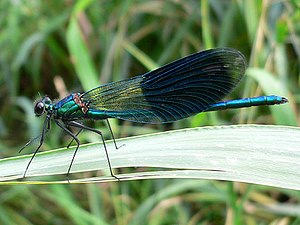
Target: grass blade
267,155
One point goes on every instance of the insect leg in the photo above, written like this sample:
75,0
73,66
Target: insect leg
79,125
68,146
30,142
113,136
46,127
74,138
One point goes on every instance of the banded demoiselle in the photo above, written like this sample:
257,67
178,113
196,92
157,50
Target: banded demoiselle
193,84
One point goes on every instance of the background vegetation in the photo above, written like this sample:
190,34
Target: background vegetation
56,47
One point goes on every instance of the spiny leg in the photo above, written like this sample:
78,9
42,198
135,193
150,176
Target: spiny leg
30,142
111,132
112,135
46,127
74,138
68,146
79,125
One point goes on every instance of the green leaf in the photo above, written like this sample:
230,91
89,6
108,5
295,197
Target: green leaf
267,155
80,55
206,25
139,55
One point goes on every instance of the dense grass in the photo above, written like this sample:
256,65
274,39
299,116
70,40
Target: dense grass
57,47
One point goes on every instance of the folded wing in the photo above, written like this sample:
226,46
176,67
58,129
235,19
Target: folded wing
175,91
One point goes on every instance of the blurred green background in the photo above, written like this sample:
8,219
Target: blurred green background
57,47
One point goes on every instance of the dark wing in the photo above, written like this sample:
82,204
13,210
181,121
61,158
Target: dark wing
172,92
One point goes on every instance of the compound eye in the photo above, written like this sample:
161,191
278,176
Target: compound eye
39,108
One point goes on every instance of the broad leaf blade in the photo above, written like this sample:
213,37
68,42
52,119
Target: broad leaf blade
268,155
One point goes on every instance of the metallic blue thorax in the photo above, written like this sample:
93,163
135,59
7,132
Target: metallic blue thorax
69,109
